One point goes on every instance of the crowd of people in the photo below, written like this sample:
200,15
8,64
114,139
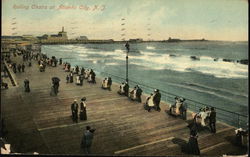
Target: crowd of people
106,83
153,101
179,108
79,73
206,116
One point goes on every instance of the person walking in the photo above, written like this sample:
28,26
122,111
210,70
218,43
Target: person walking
126,88
23,66
138,93
87,139
212,120
71,77
74,110
83,110
192,146
157,99
109,83
26,85
67,79
81,80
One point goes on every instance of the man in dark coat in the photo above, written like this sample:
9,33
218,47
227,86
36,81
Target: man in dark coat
56,86
212,120
77,69
126,88
82,71
26,85
69,66
71,77
74,110
157,99
109,83
138,93
93,76
81,79
23,66
60,61
183,109
87,139
67,79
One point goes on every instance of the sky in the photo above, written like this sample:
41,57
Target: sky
126,19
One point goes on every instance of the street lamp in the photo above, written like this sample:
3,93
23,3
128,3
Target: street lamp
127,47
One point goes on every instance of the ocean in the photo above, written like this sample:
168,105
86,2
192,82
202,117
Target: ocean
168,67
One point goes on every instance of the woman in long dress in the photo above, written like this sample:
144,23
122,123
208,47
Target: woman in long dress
105,83
83,110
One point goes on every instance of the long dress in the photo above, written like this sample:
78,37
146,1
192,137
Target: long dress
203,116
133,94
150,101
78,80
71,78
105,84
192,146
177,108
83,111
122,89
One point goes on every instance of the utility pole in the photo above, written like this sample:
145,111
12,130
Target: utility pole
127,47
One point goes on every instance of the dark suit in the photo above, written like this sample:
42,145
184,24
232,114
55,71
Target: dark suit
74,110
87,141
212,121
126,89
156,100
138,94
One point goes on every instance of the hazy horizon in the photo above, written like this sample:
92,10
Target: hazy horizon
224,20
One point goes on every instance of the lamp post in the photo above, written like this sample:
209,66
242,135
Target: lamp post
127,47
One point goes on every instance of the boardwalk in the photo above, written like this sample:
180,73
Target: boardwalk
37,122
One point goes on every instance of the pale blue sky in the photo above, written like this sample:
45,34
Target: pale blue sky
185,19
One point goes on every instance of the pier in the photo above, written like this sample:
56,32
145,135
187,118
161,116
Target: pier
38,122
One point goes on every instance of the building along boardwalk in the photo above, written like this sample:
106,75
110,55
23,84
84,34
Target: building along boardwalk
38,122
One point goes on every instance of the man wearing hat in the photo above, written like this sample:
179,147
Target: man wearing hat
212,120
87,139
26,85
83,111
74,110
157,99
138,93
126,88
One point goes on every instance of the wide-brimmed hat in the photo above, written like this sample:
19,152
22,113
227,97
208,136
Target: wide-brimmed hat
83,99
75,100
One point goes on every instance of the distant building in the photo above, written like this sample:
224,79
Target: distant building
82,38
28,37
173,40
135,40
55,37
